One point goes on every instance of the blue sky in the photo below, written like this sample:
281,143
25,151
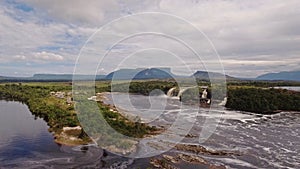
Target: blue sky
46,36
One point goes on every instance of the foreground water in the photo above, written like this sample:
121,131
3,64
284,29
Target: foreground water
271,141
26,143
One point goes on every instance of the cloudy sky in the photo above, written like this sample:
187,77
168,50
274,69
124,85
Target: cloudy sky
251,37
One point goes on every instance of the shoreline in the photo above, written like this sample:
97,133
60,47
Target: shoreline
63,137
60,138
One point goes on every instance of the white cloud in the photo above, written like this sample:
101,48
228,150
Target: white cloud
77,11
253,36
23,37
46,56
31,39
19,57
39,57
256,35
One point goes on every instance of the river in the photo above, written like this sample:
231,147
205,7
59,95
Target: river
26,143
294,88
260,141
256,141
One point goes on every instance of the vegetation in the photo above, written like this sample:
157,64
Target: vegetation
249,96
36,97
93,114
251,83
58,114
143,87
262,100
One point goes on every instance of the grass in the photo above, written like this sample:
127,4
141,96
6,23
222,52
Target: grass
52,100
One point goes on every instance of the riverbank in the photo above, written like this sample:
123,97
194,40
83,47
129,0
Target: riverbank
53,105
236,143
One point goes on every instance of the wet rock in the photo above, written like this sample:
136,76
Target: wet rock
191,136
162,164
84,148
197,149
216,167
192,159
173,161
124,151
122,165
170,158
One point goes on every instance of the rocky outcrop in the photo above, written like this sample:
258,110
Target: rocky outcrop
197,149
174,162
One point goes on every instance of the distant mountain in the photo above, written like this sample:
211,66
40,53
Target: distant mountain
155,73
52,77
58,77
152,73
287,75
3,77
7,78
204,75
123,74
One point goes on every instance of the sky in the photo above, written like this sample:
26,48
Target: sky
251,37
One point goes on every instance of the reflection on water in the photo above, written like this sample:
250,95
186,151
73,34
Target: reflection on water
21,134
270,141
26,143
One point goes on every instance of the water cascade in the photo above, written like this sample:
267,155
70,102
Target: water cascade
171,91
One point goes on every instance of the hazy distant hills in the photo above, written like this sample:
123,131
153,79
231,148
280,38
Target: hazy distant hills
151,73
2,78
287,76
155,73
69,77
203,75
52,77
123,74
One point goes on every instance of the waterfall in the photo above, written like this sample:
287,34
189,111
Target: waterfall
204,94
170,92
181,91
223,103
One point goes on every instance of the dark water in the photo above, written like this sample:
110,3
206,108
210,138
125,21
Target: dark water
271,141
26,143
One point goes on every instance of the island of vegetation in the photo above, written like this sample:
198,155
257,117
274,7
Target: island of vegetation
263,100
53,102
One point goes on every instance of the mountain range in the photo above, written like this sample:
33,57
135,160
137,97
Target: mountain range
139,74
204,75
287,76
151,73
